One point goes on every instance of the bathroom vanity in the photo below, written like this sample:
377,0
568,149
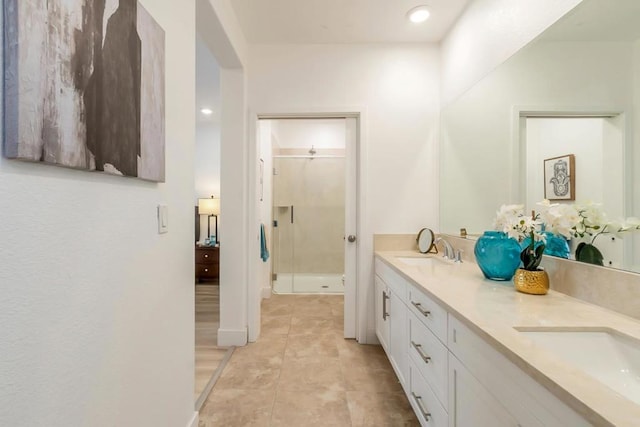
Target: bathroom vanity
473,352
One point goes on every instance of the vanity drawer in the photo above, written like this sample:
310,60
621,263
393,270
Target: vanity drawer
424,402
429,313
430,356
394,280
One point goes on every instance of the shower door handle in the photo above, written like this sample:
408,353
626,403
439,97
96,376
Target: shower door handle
291,214
351,238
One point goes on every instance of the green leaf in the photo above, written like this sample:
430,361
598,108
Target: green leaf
586,252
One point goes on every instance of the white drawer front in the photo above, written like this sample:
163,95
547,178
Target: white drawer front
430,356
424,402
525,399
429,313
394,280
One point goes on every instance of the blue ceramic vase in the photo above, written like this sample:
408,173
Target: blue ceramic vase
497,255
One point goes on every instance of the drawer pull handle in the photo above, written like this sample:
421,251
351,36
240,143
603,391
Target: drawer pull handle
424,312
426,414
422,354
385,297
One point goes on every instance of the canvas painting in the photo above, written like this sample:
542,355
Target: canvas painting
559,178
84,86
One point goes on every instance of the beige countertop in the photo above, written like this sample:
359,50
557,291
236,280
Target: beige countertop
494,309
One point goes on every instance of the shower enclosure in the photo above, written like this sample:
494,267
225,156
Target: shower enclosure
309,222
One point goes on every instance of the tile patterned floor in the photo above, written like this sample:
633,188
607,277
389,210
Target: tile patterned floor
301,372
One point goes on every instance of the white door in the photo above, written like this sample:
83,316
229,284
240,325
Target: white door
470,404
351,238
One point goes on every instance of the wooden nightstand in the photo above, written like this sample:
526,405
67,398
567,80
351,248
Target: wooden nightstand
207,263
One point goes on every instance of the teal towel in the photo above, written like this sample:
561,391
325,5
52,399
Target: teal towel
264,252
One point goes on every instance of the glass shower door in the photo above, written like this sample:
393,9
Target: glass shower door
309,203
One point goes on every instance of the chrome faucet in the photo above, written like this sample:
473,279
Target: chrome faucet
449,251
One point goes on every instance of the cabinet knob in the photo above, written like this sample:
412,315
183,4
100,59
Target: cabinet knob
206,255
206,270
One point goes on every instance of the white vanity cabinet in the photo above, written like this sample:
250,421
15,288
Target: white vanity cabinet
470,404
451,376
526,401
398,337
382,313
391,318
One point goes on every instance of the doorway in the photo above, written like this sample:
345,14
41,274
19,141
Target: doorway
600,172
208,356
308,187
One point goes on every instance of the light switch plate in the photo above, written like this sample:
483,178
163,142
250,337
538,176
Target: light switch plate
163,219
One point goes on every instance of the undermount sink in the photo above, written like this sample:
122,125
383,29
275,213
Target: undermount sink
610,358
420,261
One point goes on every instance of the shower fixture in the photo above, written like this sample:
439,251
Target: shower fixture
312,151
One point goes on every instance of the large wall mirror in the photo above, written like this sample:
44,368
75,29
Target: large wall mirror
574,90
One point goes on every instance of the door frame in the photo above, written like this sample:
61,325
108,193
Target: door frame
355,320
620,113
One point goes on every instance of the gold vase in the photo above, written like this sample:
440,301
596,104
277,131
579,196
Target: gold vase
531,282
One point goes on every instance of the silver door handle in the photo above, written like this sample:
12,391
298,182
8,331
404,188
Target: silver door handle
385,297
351,238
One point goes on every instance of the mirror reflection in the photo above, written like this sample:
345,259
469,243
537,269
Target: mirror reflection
568,95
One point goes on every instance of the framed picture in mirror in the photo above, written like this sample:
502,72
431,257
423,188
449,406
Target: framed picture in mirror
559,178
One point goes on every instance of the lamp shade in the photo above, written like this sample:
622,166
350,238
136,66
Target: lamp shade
209,206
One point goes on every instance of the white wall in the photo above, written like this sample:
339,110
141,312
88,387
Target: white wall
221,33
396,87
207,168
487,33
583,137
265,206
97,308
302,134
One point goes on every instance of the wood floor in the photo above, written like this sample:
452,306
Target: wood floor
302,372
208,354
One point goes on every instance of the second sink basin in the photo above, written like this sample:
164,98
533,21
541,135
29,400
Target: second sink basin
611,358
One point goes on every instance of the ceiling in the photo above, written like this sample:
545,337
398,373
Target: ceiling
322,21
343,21
207,83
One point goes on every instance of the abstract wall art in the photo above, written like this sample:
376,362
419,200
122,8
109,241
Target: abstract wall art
85,85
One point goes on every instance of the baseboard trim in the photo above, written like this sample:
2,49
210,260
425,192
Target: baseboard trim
232,337
195,419
266,293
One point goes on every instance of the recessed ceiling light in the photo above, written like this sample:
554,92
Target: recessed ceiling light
418,14
207,111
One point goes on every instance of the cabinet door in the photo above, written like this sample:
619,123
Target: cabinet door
381,311
470,404
398,337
